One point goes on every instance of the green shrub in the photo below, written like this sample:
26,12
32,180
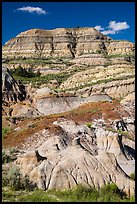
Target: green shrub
98,51
132,176
38,80
5,157
12,150
83,193
5,131
8,156
23,72
32,126
14,179
89,125
110,193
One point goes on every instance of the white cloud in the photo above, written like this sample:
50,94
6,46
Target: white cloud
98,28
30,9
118,26
113,27
106,32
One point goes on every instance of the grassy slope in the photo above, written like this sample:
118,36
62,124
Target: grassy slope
108,193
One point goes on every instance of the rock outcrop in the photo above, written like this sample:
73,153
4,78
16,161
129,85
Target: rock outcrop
12,91
46,105
80,155
63,42
53,105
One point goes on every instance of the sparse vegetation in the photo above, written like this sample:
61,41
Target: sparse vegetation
32,126
120,55
98,52
99,82
38,80
23,72
84,111
12,150
39,61
5,131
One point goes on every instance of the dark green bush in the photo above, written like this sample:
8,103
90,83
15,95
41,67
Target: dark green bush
89,125
15,180
6,157
110,193
132,176
85,193
23,72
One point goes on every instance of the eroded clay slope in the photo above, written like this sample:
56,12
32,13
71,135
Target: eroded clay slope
80,155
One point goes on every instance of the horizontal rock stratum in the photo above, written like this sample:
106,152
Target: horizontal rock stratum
63,42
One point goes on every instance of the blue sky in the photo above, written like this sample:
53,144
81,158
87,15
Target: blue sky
116,19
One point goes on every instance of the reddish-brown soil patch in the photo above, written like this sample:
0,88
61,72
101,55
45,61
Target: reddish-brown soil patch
83,114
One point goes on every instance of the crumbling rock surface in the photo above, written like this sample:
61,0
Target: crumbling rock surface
80,155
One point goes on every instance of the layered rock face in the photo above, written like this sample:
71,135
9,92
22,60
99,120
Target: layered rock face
90,58
99,73
63,42
80,155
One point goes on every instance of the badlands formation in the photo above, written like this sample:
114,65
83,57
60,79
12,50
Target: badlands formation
63,42
73,139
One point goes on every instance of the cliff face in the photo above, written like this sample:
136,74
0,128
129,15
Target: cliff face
63,42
